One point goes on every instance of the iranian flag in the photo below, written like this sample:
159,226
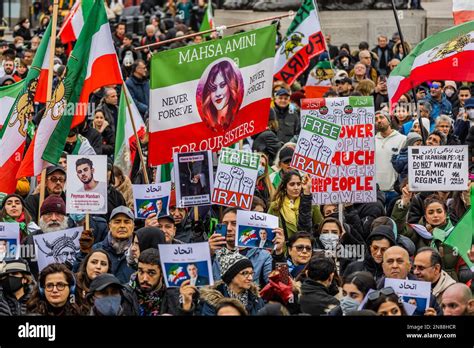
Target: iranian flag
210,95
208,20
8,96
447,55
463,11
74,22
304,40
176,274
13,133
92,65
125,140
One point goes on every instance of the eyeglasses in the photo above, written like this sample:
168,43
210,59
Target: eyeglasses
300,248
60,286
56,179
247,273
376,294
421,268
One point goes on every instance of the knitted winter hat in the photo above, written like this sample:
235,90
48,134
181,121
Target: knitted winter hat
412,138
53,204
231,264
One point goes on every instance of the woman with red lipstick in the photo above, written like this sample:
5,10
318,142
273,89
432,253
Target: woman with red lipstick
14,210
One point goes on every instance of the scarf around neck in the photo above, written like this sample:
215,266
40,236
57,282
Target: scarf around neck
119,246
290,209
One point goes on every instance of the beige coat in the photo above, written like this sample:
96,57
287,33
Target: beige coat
444,282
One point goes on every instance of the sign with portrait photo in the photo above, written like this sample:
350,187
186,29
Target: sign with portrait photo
9,240
207,96
414,292
235,178
151,199
86,190
181,262
57,247
193,178
255,230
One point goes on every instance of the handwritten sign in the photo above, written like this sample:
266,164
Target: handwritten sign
9,240
86,184
151,198
57,247
350,177
412,291
316,144
181,262
438,168
193,178
235,178
255,230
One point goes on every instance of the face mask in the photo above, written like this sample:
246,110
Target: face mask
12,284
329,240
470,114
261,171
109,305
449,92
348,304
77,217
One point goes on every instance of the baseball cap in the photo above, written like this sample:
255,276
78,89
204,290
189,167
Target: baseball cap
343,79
12,266
169,217
122,210
102,281
281,92
286,154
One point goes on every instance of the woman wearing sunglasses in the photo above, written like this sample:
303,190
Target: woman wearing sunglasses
385,302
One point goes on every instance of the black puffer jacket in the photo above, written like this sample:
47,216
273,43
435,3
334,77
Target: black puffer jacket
10,306
315,298
268,143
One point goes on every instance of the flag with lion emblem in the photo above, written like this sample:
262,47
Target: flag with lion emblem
447,55
304,40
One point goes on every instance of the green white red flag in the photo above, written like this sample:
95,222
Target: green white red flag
125,140
463,11
304,40
74,22
447,55
210,95
208,20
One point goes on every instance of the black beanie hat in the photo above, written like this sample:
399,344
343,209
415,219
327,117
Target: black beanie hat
231,264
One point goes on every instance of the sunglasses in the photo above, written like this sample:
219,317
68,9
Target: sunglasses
376,294
300,248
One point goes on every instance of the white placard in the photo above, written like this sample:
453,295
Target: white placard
438,168
181,262
151,198
86,184
9,240
255,230
412,290
57,247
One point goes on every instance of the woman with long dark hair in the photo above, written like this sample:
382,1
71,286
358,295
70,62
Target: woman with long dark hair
95,263
54,295
13,210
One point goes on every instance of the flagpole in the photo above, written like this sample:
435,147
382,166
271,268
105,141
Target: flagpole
49,88
139,147
423,136
201,33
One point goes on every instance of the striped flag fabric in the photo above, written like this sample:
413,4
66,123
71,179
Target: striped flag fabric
463,11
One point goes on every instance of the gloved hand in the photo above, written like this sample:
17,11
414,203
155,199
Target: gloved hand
86,241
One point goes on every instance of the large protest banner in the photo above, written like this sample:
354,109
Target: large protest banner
193,179
316,144
235,178
151,199
9,240
209,96
438,168
255,230
86,184
351,174
57,247
181,262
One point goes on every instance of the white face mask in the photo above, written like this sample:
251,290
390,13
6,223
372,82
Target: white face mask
449,92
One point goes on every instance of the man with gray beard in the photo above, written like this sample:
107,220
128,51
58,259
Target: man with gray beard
52,218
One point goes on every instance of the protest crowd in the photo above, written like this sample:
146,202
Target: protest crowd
116,262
